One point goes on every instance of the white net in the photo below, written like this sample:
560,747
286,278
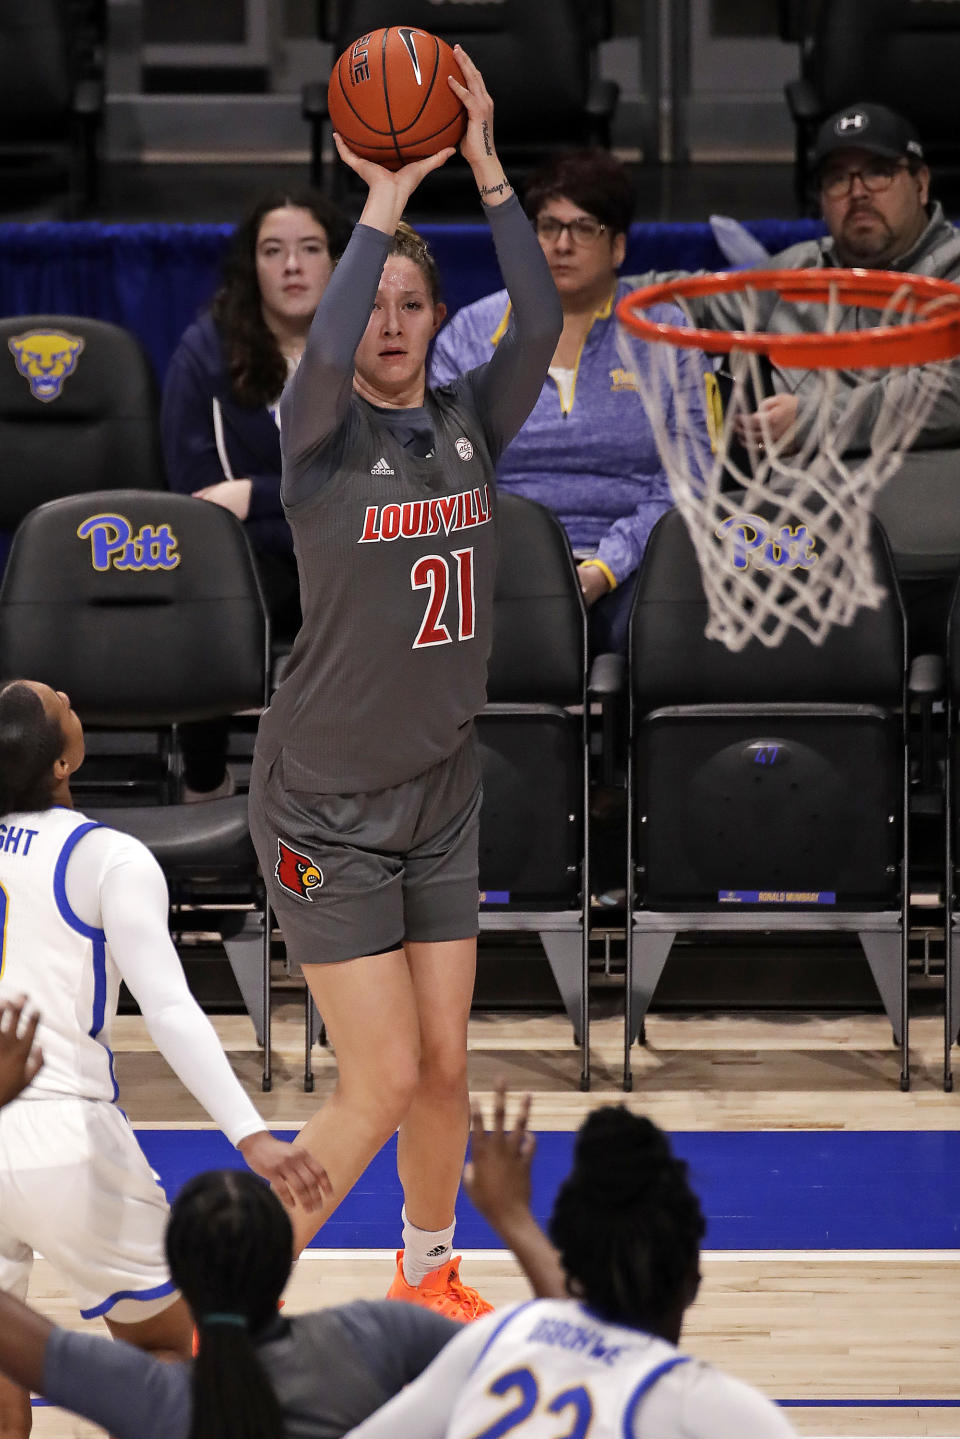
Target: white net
780,523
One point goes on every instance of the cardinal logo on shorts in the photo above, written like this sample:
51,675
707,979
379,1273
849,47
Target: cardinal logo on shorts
297,872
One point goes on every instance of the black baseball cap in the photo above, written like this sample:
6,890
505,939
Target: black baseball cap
868,127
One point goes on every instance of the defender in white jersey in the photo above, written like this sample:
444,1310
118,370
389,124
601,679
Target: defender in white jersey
603,1362
83,907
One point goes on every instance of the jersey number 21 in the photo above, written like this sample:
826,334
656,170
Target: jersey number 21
432,573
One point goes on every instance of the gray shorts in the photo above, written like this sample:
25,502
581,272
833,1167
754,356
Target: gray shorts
357,874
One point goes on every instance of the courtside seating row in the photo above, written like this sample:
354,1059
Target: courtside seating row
767,790
130,635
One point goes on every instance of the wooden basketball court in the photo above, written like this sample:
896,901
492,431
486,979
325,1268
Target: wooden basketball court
859,1341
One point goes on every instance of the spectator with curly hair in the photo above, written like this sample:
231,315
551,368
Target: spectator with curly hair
220,413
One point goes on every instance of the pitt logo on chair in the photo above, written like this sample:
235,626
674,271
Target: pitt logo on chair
114,545
45,358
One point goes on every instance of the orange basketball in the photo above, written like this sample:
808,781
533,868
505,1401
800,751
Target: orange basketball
389,99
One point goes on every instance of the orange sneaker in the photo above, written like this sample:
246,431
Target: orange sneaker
442,1291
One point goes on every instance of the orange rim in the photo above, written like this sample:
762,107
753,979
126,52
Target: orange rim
935,336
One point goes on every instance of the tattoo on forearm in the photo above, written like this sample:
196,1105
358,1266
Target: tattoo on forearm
487,147
495,189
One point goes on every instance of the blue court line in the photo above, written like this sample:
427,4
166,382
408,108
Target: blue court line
792,1189
868,1403
783,1403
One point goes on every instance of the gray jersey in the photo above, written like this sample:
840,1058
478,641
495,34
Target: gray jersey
329,1370
396,546
397,555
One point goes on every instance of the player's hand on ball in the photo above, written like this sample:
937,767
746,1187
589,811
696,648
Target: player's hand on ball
405,180
20,1058
477,144
297,1177
497,1177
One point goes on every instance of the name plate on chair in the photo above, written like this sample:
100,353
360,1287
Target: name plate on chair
776,896
494,896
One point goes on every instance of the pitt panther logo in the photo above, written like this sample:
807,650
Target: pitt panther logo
297,872
114,545
45,358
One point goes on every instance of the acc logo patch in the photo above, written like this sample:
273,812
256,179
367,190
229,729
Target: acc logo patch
45,358
464,448
297,872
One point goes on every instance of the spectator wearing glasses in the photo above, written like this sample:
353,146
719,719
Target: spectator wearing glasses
875,199
587,450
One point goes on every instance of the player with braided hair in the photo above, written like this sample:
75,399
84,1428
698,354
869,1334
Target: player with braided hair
626,1227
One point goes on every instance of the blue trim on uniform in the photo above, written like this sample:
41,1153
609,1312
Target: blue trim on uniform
96,936
502,1325
644,1387
141,1294
60,882
100,998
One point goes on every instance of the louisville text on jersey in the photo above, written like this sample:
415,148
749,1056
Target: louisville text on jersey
443,515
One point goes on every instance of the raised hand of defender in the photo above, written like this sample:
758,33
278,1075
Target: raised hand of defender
293,1172
497,1178
20,1058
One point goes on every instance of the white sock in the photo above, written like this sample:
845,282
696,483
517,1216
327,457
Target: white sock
424,1249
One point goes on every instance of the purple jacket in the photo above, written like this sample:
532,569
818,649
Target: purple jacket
594,464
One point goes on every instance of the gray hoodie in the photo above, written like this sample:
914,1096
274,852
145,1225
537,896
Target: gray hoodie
936,252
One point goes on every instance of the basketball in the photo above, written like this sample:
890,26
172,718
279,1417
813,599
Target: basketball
389,99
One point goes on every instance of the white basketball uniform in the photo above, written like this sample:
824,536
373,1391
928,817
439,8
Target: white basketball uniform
82,907
551,1367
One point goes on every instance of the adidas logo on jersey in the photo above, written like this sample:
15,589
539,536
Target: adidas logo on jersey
382,468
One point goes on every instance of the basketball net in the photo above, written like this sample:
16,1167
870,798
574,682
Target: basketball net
781,526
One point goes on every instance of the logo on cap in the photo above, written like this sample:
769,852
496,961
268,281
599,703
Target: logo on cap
857,120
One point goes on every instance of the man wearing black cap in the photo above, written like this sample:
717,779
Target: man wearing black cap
874,195
874,188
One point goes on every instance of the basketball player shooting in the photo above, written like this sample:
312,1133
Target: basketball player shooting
365,790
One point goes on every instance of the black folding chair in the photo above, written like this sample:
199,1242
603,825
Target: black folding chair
767,787
534,825
146,608
900,53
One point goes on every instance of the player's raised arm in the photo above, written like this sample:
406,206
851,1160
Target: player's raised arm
134,907
497,1179
509,385
317,397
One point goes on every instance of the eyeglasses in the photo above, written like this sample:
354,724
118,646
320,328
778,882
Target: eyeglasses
584,230
875,176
